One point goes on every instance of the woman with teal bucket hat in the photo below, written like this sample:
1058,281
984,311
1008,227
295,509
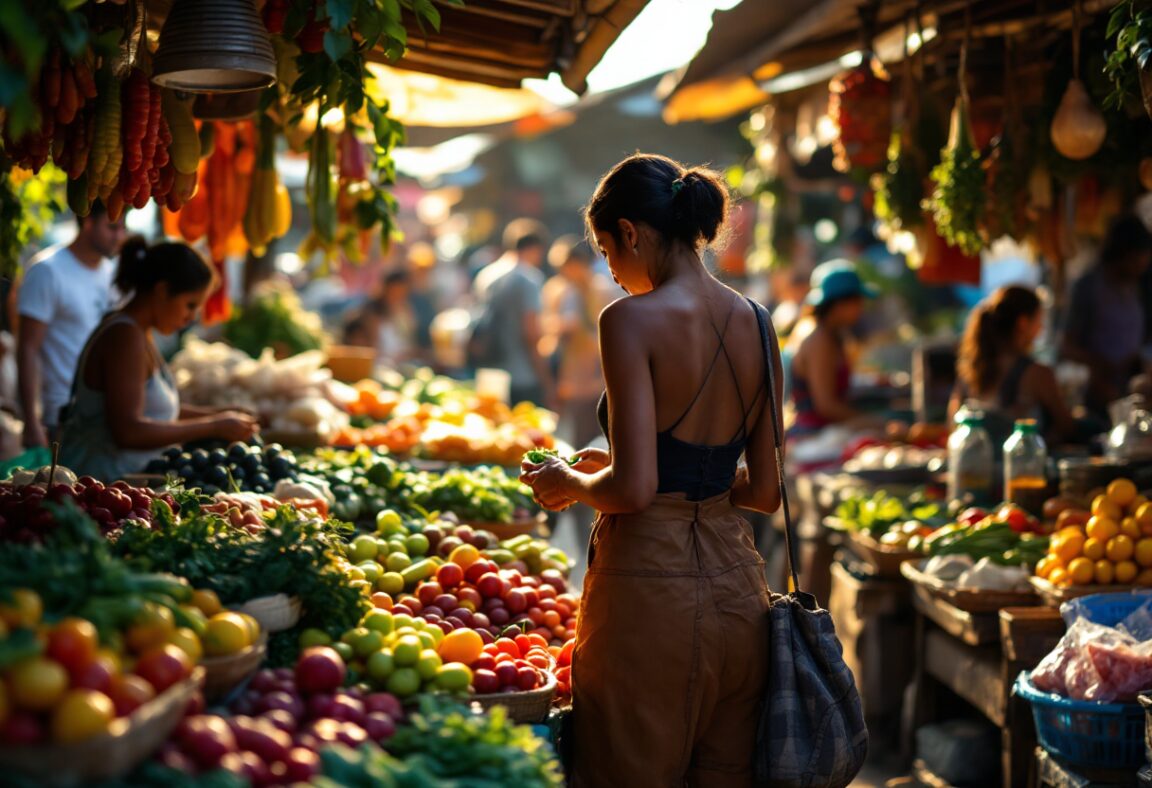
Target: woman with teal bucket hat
821,372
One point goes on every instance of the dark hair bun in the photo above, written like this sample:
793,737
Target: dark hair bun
687,205
176,264
133,270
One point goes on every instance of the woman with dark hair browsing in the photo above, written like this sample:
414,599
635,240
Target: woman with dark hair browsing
997,374
671,656
125,406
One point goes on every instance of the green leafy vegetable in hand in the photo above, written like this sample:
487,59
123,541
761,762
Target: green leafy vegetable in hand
537,456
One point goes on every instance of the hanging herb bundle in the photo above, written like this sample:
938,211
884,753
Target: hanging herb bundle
958,199
1007,168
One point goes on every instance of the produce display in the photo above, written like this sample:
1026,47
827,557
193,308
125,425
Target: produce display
295,395
1110,543
880,512
238,467
274,319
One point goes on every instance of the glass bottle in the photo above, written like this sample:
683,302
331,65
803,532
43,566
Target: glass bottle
1025,467
971,460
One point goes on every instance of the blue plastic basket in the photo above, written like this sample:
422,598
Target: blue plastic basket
1086,733
1106,609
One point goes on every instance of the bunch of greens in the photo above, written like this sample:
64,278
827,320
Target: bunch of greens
480,495
957,201
448,746
274,319
537,456
880,511
290,555
1131,24
994,540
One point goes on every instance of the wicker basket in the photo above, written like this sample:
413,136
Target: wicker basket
970,600
224,674
525,707
884,559
525,525
275,613
128,742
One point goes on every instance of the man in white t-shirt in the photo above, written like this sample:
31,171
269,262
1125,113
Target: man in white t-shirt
65,293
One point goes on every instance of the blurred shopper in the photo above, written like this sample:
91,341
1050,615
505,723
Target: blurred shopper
125,406
671,656
573,300
507,332
65,292
1105,319
423,294
395,322
820,367
997,374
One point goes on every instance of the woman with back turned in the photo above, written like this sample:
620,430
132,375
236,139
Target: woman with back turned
672,649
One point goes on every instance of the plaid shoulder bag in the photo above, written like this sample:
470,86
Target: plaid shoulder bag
811,730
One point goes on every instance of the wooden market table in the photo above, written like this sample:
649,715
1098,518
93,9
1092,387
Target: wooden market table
977,656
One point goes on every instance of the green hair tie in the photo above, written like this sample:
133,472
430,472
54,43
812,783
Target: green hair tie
677,185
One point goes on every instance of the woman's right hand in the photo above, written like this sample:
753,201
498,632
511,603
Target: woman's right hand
236,426
591,460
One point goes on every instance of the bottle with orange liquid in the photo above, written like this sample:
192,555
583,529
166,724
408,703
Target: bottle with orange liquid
1025,467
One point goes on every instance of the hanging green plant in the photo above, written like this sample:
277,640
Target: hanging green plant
957,201
28,205
1129,63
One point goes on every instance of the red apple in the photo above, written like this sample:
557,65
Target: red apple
490,585
281,701
385,702
206,739
320,669
450,575
485,682
302,765
428,591
379,726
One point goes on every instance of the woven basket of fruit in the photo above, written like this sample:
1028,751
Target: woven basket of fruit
530,706
128,742
1054,595
537,524
275,613
224,673
885,559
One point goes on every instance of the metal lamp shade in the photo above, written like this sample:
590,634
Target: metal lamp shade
214,46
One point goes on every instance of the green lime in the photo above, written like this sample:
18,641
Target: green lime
403,682
380,666
389,521
427,638
390,583
451,677
363,548
403,622
371,570
314,637
344,650
398,562
429,664
367,642
407,650
417,544
378,621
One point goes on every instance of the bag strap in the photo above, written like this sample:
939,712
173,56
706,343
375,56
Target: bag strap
769,384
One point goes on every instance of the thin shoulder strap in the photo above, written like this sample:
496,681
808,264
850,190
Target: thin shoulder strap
789,535
708,372
1010,388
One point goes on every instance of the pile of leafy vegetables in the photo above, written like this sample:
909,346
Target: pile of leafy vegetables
274,319
479,495
291,555
880,511
448,746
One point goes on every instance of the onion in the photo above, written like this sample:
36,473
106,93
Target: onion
1078,130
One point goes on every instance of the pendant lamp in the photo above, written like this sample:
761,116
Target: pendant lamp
214,46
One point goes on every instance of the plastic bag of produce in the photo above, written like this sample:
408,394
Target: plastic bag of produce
1096,662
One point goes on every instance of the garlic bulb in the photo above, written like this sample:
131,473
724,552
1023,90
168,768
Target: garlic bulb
1078,130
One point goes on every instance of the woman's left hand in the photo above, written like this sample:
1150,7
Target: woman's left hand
547,481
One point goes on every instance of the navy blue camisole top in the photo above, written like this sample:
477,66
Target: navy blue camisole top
698,471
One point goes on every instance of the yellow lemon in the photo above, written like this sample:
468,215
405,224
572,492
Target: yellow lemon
1081,571
1102,528
1105,572
1094,548
1121,492
1119,548
1126,572
227,633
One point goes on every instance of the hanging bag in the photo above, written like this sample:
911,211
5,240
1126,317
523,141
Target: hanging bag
811,732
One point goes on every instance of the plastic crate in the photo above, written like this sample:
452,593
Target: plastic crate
1106,609
1085,733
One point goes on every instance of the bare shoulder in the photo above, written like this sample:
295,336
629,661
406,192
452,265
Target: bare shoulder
122,337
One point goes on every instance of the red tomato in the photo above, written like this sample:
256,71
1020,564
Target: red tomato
164,666
73,643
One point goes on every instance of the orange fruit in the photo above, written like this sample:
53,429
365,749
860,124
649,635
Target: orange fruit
81,715
461,645
1068,545
1126,572
1080,571
207,601
1105,573
464,556
37,684
1144,578
1143,514
1119,548
253,625
1059,577
152,627
1144,552
1103,506
1121,492
1137,502
1103,528
227,633
1045,565
1130,528
1094,548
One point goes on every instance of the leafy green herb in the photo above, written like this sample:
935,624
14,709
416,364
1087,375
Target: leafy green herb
1131,24
957,201
537,456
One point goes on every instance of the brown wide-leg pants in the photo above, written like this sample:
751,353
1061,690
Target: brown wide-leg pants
671,651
